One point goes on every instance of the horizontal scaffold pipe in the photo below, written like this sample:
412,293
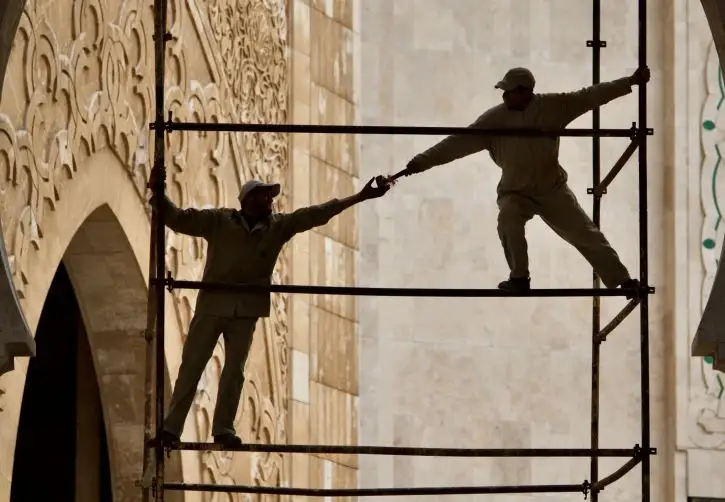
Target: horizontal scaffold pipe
630,132
408,451
401,292
376,492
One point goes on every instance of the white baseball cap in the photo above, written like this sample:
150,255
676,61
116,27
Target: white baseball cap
517,77
254,184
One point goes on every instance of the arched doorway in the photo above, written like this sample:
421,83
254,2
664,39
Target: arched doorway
61,431
83,400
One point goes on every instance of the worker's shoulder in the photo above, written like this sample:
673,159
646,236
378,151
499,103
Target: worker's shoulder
544,98
224,213
277,217
491,115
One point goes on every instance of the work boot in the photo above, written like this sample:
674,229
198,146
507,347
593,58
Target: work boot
169,438
631,284
228,440
515,285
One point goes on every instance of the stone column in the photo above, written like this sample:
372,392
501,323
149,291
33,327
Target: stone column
324,344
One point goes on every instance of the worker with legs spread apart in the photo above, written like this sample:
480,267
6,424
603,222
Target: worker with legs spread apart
532,180
243,246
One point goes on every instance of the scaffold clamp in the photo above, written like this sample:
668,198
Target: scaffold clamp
167,37
586,487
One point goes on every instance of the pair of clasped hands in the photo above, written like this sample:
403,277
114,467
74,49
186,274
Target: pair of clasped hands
379,185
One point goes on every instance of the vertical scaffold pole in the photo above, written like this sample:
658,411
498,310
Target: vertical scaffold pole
643,255
149,364
160,37
596,45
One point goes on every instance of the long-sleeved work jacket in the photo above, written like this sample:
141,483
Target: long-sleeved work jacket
238,254
529,165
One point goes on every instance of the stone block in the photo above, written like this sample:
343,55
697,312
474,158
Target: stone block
333,420
8,434
332,264
300,376
300,471
300,332
704,473
333,349
332,55
126,394
328,474
301,80
336,149
300,179
340,11
119,352
329,108
301,26
4,488
300,417
329,182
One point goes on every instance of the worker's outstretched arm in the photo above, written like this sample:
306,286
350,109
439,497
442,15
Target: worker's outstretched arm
570,105
310,217
452,148
194,222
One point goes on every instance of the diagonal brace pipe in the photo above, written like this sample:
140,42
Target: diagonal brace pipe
602,336
616,475
600,189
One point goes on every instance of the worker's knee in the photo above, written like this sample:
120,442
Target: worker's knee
512,214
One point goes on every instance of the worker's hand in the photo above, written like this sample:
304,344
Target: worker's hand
381,187
416,165
154,177
640,77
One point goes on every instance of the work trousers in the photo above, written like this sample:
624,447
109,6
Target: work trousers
204,332
561,211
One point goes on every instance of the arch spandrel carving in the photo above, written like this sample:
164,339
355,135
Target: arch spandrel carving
90,88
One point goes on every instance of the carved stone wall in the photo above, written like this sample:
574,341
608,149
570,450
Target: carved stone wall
80,85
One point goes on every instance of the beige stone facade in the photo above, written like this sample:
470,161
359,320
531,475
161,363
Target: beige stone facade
75,156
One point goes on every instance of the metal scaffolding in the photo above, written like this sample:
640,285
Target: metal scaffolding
159,280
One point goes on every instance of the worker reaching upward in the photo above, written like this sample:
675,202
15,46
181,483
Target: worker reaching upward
532,180
243,246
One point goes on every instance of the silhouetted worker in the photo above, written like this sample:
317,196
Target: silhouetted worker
243,246
532,180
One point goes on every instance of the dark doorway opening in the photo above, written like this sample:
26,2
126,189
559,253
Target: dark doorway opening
61,451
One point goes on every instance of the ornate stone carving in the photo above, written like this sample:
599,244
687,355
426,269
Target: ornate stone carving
93,90
708,396
246,43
